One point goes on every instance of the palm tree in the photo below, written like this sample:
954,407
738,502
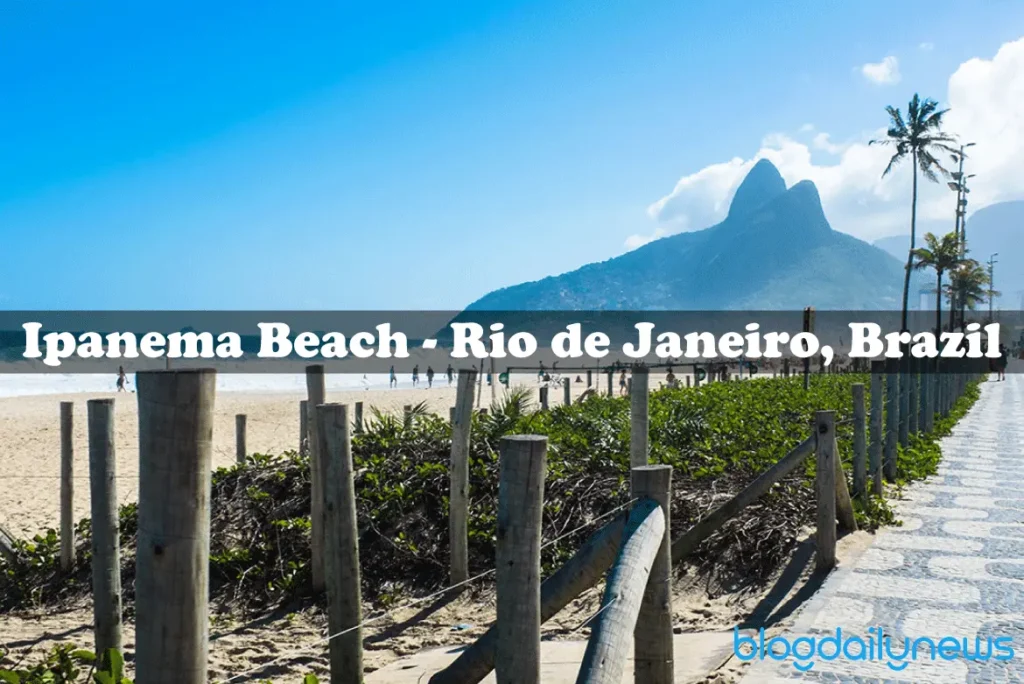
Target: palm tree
942,254
969,284
920,137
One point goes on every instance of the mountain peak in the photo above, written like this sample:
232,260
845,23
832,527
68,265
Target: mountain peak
762,184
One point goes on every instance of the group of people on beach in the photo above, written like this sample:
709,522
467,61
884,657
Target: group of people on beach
393,377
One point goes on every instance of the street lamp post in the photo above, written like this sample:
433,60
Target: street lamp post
959,185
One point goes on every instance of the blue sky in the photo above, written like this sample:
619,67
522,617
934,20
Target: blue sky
410,155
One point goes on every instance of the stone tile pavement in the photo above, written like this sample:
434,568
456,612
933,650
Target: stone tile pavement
955,568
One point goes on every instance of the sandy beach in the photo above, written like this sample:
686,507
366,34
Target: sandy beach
30,453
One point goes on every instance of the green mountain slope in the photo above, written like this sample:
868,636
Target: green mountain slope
774,251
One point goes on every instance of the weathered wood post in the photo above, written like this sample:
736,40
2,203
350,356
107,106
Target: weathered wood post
341,552
604,660
566,391
494,378
316,394
844,503
825,488
639,423
407,416
915,396
303,428
458,493
860,469
520,511
544,398
904,423
875,456
359,418
590,378
687,381
106,542
610,392
892,415
240,438
67,486
173,555
653,661
451,415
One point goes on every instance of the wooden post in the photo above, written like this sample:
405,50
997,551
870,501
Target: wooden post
407,416
303,428
590,378
844,504
67,486
173,555
652,638
316,394
892,415
604,660
544,398
639,422
825,488
451,415
520,512
860,450
240,438
341,551
687,380
494,380
610,374
106,543
458,496
359,417
584,570
567,391
875,457
915,397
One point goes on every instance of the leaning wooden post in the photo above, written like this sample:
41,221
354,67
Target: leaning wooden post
875,456
825,488
639,422
341,550
173,554
303,428
240,438
604,660
520,512
860,466
566,392
67,486
106,542
892,416
359,418
458,493
844,503
653,661
316,394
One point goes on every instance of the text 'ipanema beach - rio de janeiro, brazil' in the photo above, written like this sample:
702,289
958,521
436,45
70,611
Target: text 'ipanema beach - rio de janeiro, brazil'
472,340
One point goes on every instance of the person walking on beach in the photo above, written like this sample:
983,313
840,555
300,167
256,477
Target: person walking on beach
415,375
1004,356
450,373
430,377
393,381
622,383
540,373
122,380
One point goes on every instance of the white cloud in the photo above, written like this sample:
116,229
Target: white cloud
886,72
634,241
926,47
984,97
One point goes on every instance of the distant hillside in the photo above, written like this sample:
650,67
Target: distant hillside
998,228
774,251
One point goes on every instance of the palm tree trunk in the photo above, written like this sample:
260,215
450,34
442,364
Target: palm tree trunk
952,305
910,256
938,305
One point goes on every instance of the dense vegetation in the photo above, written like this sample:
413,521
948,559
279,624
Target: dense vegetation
718,438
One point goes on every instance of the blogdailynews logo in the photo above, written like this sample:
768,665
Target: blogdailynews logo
805,651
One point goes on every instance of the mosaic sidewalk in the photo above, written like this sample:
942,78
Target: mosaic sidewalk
955,568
